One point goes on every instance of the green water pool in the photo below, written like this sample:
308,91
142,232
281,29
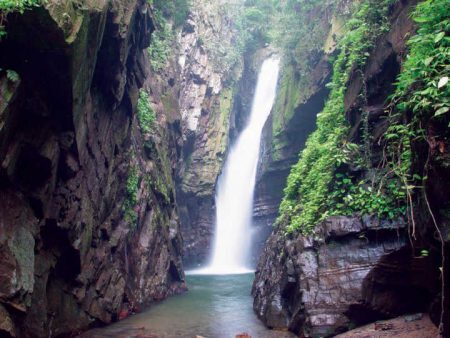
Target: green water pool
214,306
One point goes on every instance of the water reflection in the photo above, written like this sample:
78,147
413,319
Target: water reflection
215,306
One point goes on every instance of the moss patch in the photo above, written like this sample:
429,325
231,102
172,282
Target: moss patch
287,100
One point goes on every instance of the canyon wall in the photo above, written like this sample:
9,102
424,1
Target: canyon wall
88,226
356,269
205,103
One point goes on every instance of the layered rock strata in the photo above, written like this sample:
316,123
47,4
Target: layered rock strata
313,285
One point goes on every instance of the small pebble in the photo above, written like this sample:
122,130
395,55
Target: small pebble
411,318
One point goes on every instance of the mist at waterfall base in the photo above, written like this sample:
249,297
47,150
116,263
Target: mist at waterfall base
236,184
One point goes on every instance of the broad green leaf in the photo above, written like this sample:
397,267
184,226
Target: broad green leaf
441,111
401,106
443,81
421,19
439,37
427,61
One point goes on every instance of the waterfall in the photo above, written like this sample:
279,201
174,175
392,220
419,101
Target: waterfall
234,193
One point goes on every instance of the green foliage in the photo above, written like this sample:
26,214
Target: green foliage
348,198
422,86
12,75
9,6
317,187
158,185
160,44
428,60
314,189
130,203
18,5
422,89
286,24
167,12
299,30
251,24
145,113
424,253
177,10
132,185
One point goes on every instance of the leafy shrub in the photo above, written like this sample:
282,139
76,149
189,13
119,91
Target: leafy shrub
315,188
422,90
422,86
177,10
145,113
12,75
9,6
130,203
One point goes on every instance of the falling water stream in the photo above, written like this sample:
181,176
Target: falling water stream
234,195
218,303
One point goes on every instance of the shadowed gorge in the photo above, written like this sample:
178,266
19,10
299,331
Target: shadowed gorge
229,168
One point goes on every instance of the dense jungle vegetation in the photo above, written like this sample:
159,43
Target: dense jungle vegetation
319,185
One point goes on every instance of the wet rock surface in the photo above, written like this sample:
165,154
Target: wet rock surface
69,256
204,103
315,284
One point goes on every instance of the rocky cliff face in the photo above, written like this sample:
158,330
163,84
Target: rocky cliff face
356,269
313,284
205,101
71,154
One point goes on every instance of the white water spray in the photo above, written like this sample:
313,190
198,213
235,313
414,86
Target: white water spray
234,195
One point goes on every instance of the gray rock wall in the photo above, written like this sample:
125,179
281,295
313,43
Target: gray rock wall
69,139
